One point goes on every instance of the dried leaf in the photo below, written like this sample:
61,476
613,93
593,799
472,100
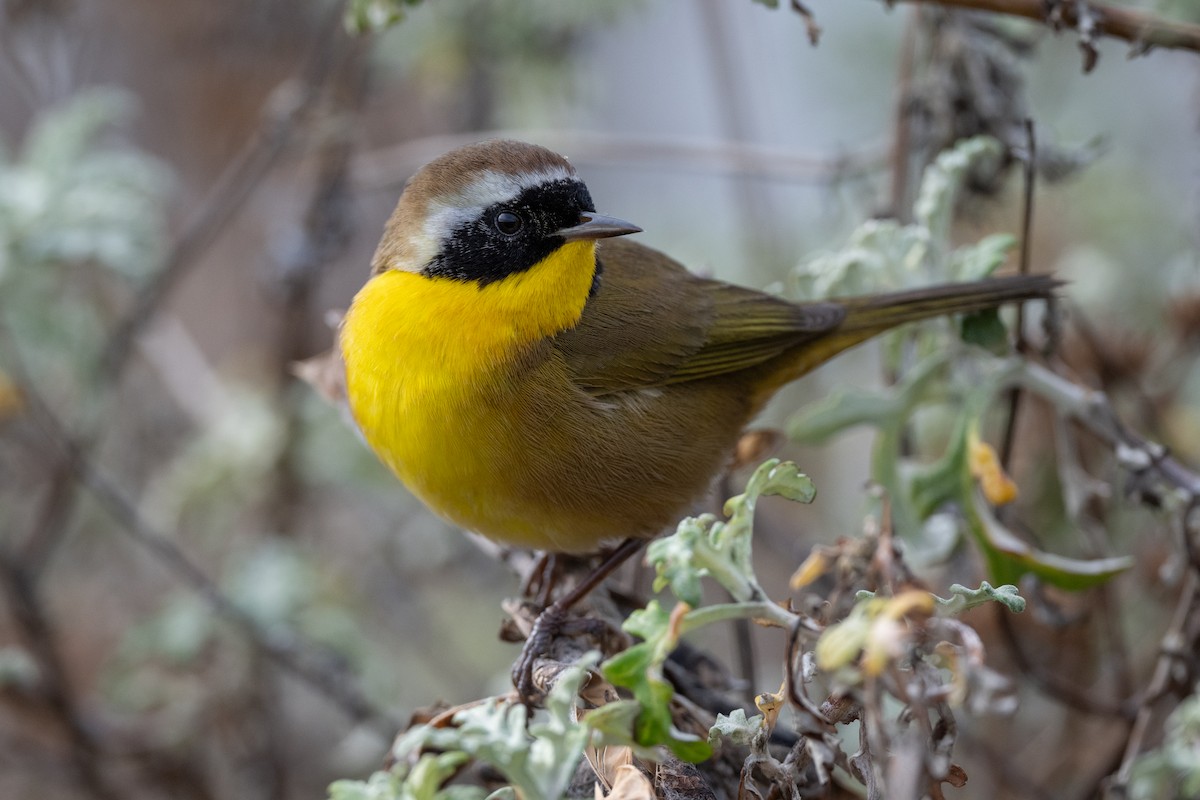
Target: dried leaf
607,762
630,784
816,565
771,704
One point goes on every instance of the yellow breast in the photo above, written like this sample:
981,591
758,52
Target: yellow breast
434,367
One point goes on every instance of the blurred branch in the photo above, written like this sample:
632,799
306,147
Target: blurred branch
1145,31
1060,689
53,686
322,671
389,167
284,110
319,670
1146,460
1178,643
1155,475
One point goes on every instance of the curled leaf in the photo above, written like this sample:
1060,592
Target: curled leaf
770,704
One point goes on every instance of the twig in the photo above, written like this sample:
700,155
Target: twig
902,136
811,28
1156,472
1014,396
1144,31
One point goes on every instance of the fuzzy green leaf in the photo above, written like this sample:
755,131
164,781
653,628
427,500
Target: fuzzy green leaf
539,761
737,729
962,598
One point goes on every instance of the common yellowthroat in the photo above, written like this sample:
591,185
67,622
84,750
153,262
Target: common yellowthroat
536,380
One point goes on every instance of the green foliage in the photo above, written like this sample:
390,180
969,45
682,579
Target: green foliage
916,492
884,255
949,374
700,547
737,729
704,546
985,329
539,760
374,16
963,598
639,669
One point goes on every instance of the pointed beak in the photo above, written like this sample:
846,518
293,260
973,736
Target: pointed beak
596,226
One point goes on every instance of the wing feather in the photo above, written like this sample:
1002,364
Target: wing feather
651,323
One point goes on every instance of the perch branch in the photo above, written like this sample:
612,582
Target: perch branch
1144,31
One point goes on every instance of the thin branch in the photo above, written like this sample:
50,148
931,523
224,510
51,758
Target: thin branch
1029,159
811,28
902,136
1147,460
1145,31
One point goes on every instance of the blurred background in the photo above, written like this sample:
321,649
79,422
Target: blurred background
187,189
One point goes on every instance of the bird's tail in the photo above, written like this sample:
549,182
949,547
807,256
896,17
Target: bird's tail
870,316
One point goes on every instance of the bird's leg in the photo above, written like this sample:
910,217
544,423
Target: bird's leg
542,579
551,620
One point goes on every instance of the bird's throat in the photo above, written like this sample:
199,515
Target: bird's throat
426,359
545,299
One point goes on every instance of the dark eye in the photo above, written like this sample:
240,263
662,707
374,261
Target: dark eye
509,223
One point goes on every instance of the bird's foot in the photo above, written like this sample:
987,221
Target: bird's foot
546,627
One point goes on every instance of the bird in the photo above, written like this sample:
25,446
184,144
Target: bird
533,376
